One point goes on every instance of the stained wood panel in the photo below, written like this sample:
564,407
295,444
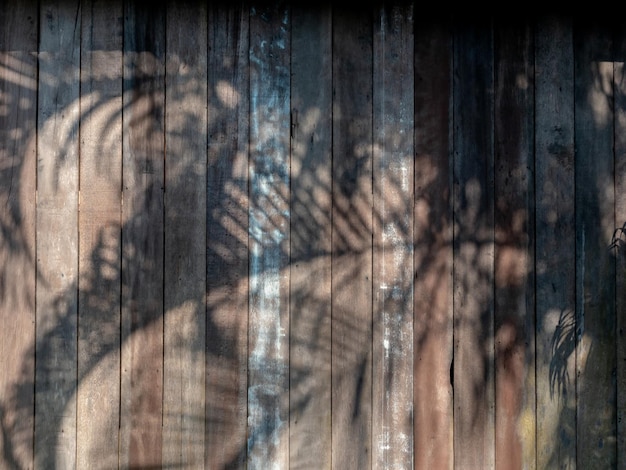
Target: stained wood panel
269,232
57,234
99,250
141,407
555,243
595,268
310,417
227,237
473,192
18,100
185,236
432,220
514,229
392,162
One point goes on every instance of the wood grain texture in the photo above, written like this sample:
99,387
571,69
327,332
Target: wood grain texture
595,265
310,251
18,101
433,346
99,296
473,246
227,237
269,226
555,244
141,407
393,114
185,236
514,257
57,235
619,239
352,239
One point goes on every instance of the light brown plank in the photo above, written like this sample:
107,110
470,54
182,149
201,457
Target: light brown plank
185,236
99,229
595,265
227,237
393,114
18,101
514,233
619,239
141,406
57,234
432,387
473,245
352,239
555,244
269,224
310,262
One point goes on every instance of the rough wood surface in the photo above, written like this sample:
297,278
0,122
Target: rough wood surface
57,234
619,239
243,235
227,237
473,246
555,244
352,240
514,256
269,235
142,236
432,313
99,295
310,253
18,100
595,264
185,236
392,162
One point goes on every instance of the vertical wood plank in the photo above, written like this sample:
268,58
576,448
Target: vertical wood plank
619,238
18,101
310,259
393,99
352,239
433,428
142,236
185,236
514,233
99,235
595,266
57,235
269,219
555,243
473,245
227,237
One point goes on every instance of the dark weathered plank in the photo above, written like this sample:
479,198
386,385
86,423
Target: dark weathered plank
18,101
310,262
619,238
595,265
433,246
432,387
57,235
514,233
142,236
99,235
352,239
185,236
473,245
269,223
227,237
555,244
393,114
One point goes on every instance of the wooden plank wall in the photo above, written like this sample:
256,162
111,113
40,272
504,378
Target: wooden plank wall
277,235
